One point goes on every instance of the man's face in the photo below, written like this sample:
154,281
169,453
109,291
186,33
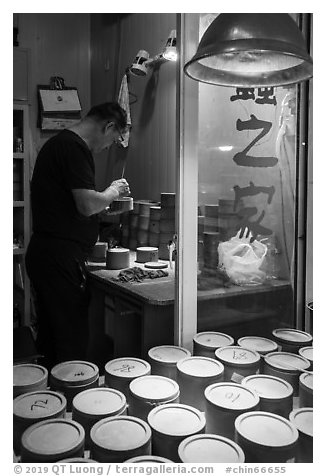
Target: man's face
111,134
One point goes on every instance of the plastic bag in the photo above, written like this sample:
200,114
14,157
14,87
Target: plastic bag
242,260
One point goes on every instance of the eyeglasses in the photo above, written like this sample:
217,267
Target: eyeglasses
120,139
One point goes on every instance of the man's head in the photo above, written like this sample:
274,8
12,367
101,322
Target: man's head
110,121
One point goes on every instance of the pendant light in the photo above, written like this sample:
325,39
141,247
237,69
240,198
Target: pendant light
251,50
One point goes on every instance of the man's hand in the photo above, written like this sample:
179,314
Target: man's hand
120,187
89,202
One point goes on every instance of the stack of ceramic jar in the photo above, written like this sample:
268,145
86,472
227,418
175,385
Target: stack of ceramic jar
167,224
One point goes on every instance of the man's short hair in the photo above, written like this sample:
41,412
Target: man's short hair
110,112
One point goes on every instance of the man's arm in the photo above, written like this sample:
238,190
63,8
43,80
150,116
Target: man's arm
89,202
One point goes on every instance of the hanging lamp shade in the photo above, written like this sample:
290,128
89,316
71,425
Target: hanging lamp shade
251,50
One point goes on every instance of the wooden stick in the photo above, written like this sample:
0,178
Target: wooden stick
123,170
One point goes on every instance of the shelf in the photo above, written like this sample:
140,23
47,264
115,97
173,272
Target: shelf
21,208
19,251
235,290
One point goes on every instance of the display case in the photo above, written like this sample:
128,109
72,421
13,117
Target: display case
21,214
242,202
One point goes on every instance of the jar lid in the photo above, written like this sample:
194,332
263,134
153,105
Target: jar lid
176,419
118,250
120,433
307,353
286,361
57,436
235,355
148,459
127,367
292,336
268,386
99,401
198,366
259,344
154,387
28,374
213,340
302,419
168,354
266,429
155,264
74,372
306,380
147,248
210,449
231,396
39,404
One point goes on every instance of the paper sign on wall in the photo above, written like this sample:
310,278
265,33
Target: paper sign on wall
58,108
57,100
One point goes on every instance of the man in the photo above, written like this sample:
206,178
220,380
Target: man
65,205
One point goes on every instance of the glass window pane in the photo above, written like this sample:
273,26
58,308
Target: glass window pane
246,206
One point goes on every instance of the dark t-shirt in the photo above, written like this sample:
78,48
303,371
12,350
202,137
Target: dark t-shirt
64,163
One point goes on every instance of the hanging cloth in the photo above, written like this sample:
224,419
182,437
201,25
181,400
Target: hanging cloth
123,100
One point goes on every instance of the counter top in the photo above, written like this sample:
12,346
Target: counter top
158,291
161,291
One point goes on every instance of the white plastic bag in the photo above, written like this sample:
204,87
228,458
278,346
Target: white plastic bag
242,260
